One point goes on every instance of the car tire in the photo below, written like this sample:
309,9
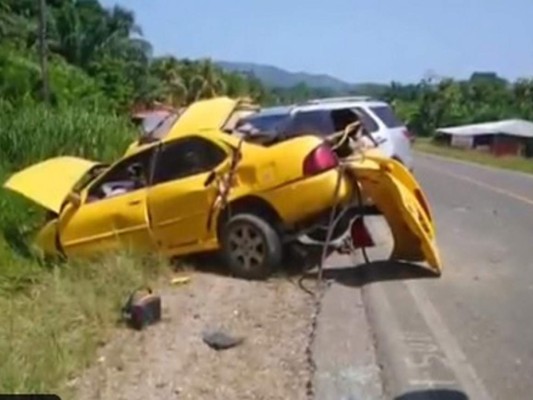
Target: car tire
251,247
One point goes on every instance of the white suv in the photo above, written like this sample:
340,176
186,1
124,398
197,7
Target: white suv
327,115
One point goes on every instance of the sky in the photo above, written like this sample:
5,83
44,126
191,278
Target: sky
354,40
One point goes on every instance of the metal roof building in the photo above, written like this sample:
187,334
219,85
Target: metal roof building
506,137
511,127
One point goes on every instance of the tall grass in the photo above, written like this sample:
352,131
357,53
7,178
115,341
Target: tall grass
30,133
54,317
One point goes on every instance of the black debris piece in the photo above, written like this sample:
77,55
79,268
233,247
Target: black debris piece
219,340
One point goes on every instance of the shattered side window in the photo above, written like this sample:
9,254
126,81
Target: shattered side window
186,157
119,176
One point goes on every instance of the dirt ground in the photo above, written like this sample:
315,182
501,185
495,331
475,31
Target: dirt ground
170,360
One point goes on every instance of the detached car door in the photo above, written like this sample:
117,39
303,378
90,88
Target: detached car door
179,200
113,213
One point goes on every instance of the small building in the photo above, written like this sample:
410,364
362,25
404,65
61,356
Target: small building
508,137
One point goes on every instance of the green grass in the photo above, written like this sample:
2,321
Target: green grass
508,162
54,318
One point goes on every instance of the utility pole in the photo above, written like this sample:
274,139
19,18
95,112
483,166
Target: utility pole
43,50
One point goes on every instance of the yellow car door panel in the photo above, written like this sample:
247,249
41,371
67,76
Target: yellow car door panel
178,199
107,224
179,212
113,213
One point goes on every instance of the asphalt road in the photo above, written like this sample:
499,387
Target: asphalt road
473,327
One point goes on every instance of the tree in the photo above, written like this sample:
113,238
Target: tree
208,80
168,71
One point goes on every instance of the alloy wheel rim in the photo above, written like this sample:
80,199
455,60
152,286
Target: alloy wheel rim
246,246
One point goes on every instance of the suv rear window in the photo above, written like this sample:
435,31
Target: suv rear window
367,120
387,116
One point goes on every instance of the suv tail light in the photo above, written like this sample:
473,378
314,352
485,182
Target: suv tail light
319,160
408,135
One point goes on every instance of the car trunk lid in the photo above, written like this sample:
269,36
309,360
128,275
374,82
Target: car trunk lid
401,200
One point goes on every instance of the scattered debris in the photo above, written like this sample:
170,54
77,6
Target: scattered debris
140,311
180,280
220,340
175,352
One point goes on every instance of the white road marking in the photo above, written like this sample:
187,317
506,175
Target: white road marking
465,373
454,359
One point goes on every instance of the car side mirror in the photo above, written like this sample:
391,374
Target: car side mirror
74,199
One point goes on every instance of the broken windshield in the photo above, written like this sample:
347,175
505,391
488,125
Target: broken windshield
156,125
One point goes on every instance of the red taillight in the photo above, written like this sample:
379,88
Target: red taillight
408,135
360,235
319,160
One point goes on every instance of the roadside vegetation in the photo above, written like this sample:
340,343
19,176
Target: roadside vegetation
513,163
100,68
55,316
440,101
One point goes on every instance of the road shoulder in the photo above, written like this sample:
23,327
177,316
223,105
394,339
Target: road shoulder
343,348
170,360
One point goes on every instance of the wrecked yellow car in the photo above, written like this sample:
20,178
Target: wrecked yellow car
165,197
213,189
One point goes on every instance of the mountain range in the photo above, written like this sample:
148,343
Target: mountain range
272,76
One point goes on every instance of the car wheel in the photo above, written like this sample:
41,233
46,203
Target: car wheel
251,247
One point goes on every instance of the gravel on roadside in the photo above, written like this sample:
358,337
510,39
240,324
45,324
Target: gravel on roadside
170,360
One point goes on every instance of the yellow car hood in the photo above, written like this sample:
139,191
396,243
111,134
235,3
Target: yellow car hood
49,182
203,115
211,114
402,202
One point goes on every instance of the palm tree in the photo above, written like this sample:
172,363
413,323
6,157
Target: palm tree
84,32
208,81
169,71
